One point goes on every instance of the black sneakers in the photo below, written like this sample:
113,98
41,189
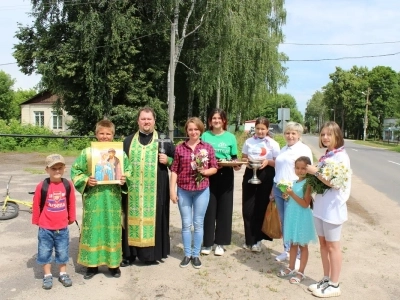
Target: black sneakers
115,272
196,263
90,272
185,262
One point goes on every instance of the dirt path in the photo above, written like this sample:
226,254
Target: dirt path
370,254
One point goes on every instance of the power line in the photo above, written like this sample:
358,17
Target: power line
98,47
289,60
344,58
350,44
65,3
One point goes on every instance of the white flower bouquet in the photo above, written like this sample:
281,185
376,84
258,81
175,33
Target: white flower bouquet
335,172
283,185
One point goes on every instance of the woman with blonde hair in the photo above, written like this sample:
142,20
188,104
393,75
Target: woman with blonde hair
330,212
194,163
284,170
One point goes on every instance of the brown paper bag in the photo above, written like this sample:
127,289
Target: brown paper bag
272,224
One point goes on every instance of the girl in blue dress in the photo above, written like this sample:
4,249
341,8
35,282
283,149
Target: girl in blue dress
299,228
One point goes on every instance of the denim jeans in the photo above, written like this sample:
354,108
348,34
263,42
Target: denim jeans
49,239
281,204
193,207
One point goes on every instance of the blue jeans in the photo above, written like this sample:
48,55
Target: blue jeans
193,207
49,239
281,204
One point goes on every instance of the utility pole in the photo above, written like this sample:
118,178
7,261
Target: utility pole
334,114
366,114
171,102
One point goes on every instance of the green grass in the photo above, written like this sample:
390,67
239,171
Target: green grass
48,150
35,171
380,144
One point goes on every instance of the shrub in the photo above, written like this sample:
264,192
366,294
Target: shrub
37,140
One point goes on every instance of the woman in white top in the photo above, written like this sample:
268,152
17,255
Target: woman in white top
284,170
255,197
330,212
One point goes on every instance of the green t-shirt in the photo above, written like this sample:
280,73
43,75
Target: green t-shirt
225,145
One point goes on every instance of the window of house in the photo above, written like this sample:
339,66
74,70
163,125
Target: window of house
57,120
39,118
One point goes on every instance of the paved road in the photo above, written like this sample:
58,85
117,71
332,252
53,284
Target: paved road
379,168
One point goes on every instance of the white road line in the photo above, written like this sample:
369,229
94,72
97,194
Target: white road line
355,150
394,162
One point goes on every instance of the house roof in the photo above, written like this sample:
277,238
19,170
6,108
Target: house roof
44,97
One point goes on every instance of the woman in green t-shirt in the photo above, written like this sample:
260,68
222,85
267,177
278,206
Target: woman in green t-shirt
218,218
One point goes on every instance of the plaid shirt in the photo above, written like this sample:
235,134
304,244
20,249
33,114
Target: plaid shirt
183,168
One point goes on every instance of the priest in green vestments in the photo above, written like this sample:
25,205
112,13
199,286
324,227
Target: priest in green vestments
145,233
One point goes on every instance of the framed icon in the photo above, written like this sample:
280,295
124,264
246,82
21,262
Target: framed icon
107,162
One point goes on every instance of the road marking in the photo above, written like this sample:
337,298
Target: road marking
355,150
393,162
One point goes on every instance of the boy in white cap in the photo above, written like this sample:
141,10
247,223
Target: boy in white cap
53,210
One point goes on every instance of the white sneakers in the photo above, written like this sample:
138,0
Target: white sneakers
324,289
205,250
315,286
219,250
256,247
327,290
246,247
282,257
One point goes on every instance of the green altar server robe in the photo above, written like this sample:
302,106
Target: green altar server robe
100,241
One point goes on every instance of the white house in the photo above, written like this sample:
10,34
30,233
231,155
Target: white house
39,111
249,125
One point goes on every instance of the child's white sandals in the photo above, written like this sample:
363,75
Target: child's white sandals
295,279
284,273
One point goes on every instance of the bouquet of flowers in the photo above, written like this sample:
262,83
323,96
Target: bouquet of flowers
200,160
283,185
336,173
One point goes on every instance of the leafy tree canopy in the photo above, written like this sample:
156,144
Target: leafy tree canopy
88,53
108,58
282,101
347,94
7,105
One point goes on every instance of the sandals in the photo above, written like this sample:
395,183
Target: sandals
297,280
282,273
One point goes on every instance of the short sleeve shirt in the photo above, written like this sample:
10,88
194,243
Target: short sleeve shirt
225,144
284,163
258,149
331,206
182,165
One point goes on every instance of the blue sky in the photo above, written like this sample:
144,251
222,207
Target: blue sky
337,22
308,22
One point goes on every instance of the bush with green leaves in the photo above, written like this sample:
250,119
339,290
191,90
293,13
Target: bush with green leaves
37,139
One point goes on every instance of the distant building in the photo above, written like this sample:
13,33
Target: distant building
39,111
250,125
